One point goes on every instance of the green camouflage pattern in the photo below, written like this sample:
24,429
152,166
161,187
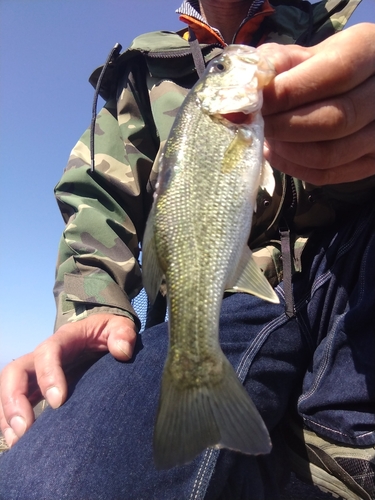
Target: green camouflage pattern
105,211
291,25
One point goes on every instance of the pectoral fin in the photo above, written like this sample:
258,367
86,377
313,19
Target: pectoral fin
242,140
250,279
267,179
152,273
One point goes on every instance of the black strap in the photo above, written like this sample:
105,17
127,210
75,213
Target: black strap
111,57
287,253
287,245
196,53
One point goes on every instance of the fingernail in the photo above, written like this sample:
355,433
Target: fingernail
125,347
18,424
9,437
54,397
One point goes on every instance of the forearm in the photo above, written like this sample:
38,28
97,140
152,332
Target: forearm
104,211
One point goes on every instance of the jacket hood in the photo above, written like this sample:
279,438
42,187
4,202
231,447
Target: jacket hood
293,21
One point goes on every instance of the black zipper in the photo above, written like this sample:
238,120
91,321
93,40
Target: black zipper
181,52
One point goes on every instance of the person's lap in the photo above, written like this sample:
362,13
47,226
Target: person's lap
99,443
338,394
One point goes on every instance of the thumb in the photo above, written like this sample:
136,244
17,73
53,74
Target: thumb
280,94
122,336
311,74
284,57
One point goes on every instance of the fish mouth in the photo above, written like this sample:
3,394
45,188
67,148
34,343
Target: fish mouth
238,117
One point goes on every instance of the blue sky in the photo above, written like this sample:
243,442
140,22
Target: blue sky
48,50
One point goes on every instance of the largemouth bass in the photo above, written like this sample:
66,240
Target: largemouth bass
196,236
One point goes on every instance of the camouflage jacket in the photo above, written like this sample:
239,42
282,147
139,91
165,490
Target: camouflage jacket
106,210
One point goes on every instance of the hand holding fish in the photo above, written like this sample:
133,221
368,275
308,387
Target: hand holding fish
319,111
61,357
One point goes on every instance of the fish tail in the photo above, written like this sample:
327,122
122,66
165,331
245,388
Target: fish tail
194,418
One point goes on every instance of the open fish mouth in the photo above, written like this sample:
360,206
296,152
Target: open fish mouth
238,117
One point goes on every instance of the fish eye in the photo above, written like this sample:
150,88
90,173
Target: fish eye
219,66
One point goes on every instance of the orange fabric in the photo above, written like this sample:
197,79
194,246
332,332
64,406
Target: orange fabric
251,26
202,31
205,34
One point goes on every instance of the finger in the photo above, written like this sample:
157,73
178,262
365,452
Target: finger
350,172
8,433
324,120
16,413
69,353
332,67
121,337
50,374
53,356
323,155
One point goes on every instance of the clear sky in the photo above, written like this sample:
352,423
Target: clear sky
48,49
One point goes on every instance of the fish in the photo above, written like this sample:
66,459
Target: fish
196,237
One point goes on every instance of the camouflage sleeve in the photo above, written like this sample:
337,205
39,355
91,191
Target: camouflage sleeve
105,211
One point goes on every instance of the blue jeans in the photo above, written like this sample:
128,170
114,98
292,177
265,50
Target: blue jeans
98,445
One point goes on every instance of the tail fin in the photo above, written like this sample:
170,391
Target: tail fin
191,419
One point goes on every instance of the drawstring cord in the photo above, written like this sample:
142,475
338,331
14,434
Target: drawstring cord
113,55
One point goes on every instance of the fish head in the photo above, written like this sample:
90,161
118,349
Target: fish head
232,83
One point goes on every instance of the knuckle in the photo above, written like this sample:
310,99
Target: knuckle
326,177
318,176
346,116
8,405
324,156
45,375
44,365
5,373
42,349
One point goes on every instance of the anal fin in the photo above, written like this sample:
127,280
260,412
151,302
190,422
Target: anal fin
250,279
